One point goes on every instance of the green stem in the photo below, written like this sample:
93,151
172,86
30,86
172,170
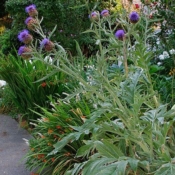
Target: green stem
172,91
125,63
152,89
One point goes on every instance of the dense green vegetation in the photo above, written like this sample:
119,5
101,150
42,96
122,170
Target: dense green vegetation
97,92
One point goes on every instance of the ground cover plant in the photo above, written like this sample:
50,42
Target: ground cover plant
112,121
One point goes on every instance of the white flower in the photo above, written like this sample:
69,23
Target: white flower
159,63
48,59
172,51
158,41
161,57
165,54
2,83
97,42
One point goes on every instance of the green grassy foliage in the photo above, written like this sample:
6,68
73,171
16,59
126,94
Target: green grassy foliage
21,77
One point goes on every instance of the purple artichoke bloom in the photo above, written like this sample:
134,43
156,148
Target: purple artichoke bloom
31,10
31,23
120,34
24,52
134,17
22,35
105,13
93,16
44,42
25,37
21,50
28,20
47,44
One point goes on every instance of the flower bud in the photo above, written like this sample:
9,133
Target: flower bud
120,34
134,17
47,45
25,37
105,13
31,10
31,23
94,16
25,52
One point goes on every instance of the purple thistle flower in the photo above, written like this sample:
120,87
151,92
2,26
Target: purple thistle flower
44,42
24,52
25,37
21,50
120,34
105,13
31,23
47,44
93,15
134,17
22,35
31,10
28,20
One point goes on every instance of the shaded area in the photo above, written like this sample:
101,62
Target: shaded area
2,8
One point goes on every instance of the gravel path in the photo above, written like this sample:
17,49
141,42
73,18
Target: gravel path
12,147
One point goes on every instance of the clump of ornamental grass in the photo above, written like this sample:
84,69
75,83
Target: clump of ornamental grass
52,127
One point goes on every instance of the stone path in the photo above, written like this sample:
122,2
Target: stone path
12,147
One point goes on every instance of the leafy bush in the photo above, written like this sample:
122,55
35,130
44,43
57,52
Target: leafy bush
162,43
8,42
